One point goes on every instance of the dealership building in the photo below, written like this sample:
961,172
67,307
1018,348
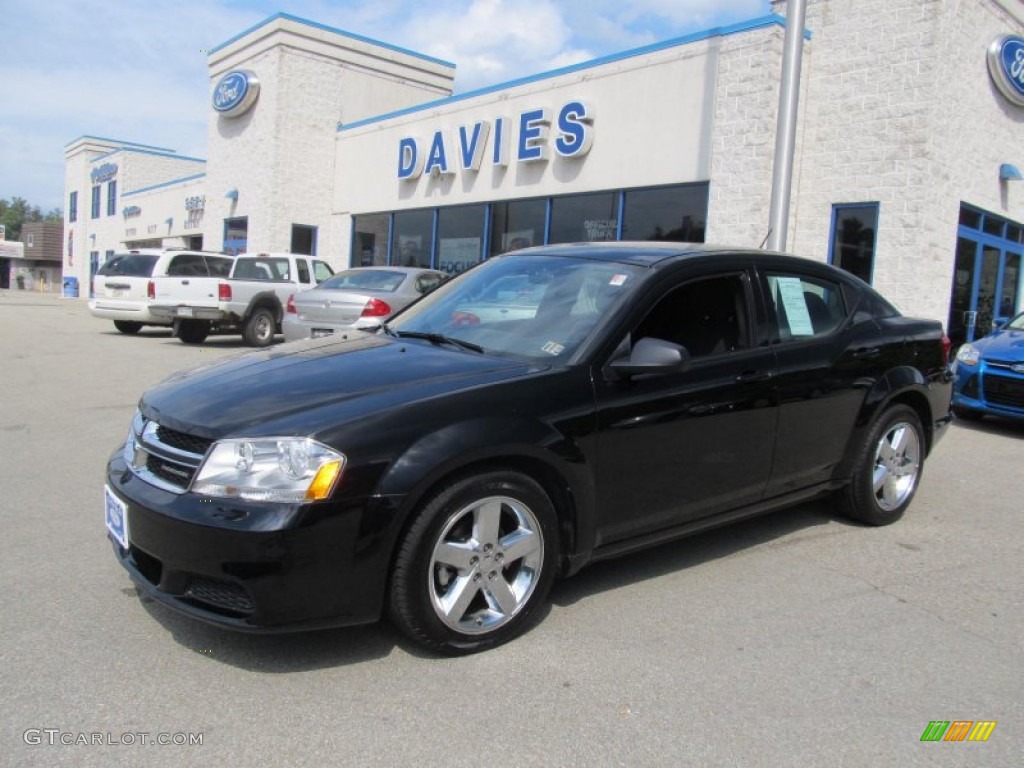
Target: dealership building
909,152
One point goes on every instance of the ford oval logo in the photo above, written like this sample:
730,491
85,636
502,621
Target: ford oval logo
1006,67
236,92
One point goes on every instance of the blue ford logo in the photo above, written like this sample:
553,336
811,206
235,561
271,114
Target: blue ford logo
1006,67
235,92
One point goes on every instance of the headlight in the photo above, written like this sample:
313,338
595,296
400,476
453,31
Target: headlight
968,354
284,469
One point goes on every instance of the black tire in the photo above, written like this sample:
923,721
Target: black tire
192,331
967,414
259,328
502,530
125,326
887,469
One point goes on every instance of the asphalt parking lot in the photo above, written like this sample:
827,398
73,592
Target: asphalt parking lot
792,640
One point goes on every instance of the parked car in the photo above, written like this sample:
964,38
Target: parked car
990,374
250,300
447,468
122,287
362,297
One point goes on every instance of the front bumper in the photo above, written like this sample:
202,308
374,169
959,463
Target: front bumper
985,388
255,567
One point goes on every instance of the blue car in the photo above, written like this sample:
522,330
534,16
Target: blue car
990,374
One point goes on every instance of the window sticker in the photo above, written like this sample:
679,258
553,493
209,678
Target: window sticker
553,348
791,292
618,280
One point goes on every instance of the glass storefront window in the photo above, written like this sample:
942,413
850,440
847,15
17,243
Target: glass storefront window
460,237
412,241
667,213
993,226
304,239
584,218
970,218
370,246
853,238
236,235
518,224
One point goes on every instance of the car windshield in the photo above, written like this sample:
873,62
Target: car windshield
367,279
129,265
533,306
1017,324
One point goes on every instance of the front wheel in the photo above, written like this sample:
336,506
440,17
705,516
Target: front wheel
888,468
259,329
476,564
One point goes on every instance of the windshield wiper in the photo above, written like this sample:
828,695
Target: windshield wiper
435,338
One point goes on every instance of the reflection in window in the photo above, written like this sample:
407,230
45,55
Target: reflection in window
584,218
411,242
667,213
236,235
518,224
707,317
460,237
853,238
370,247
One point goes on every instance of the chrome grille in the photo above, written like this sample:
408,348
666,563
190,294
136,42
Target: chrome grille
165,457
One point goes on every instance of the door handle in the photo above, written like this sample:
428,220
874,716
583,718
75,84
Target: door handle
184,282
752,377
866,352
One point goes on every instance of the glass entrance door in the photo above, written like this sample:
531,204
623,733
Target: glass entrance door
987,277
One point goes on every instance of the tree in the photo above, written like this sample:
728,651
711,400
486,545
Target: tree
16,211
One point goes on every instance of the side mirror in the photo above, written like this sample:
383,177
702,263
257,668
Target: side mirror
653,356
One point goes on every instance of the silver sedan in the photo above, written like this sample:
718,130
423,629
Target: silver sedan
363,297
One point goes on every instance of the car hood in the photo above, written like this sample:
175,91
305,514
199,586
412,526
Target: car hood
282,390
1002,345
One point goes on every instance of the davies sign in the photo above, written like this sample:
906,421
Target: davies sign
527,138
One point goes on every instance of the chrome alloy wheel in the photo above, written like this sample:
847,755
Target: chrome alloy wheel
897,465
485,564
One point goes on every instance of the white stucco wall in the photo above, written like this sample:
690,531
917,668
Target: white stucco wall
280,154
898,109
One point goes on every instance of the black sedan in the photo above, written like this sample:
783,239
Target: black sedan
448,468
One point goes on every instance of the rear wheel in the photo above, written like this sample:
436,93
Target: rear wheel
259,329
192,331
124,326
476,564
887,469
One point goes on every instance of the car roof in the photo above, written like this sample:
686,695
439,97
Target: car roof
646,254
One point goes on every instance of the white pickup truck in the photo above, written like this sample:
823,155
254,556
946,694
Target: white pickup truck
251,299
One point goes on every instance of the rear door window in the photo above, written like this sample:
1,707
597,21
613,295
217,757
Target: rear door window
805,307
187,265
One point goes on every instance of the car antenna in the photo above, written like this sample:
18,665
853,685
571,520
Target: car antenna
764,242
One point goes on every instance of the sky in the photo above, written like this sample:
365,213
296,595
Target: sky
136,70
